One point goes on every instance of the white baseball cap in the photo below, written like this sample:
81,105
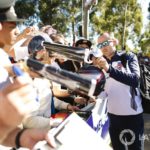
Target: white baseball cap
6,3
9,15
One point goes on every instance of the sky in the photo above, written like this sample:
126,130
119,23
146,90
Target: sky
144,5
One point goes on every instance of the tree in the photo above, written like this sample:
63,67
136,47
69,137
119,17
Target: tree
58,14
27,10
145,41
123,18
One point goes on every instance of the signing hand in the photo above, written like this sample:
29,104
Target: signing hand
101,63
30,137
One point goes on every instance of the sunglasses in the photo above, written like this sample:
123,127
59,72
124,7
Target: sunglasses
103,44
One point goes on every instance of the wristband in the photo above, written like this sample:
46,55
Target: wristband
17,140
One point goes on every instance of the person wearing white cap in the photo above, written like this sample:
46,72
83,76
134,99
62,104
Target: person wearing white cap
40,118
8,29
6,4
14,97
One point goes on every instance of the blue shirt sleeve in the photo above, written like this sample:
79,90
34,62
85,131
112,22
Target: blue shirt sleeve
129,78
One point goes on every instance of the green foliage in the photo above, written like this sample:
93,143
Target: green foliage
146,46
59,13
122,17
25,9
144,41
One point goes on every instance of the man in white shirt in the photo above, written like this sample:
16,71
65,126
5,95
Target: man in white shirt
124,103
14,97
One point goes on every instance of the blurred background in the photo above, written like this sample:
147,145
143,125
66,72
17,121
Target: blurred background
126,20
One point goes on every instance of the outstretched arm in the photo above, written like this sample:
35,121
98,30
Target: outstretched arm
29,138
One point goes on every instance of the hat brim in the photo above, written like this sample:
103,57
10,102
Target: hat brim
10,16
13,20
6,3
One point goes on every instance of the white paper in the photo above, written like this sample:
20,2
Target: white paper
75,134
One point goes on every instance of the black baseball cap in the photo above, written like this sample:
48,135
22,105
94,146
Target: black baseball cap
83,41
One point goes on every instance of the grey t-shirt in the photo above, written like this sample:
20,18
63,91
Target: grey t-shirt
4,77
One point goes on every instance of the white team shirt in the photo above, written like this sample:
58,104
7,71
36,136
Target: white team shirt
119,97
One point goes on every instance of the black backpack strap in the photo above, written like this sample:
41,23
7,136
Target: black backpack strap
123,57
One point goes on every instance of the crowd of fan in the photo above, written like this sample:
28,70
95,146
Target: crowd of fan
31,101
16,46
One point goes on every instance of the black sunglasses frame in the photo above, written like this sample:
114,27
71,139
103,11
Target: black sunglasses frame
103,44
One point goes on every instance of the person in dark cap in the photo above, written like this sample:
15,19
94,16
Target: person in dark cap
83,43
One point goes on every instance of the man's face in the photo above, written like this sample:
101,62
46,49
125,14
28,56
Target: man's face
8,33
106,46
